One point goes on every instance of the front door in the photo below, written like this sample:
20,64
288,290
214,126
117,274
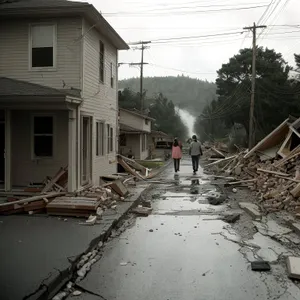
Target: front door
86,150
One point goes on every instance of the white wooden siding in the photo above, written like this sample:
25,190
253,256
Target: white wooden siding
24,168
134,121
100,100
14,53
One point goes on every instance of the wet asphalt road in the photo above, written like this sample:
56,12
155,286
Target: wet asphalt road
181,251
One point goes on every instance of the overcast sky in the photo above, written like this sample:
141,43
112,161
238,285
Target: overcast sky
146,20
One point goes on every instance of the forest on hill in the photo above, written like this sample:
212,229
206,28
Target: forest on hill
185,92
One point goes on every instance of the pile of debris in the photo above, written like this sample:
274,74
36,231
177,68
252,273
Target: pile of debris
52,197
271,168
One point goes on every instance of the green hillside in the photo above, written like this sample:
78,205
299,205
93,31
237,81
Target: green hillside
189,93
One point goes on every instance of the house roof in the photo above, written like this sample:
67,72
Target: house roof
42,8
159,133
128,129
14,87
137,113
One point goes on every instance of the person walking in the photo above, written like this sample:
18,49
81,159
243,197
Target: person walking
195,152
176,154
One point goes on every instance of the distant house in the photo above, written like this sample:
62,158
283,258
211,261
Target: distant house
135,129
58,92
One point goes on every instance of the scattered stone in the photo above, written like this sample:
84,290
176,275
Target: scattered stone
252,209
234,190
296,227
113,207
150,230
260,266
293,266
232,218
69,285
194,191
146,204
60,296
76,293
143,211
123,264
216,200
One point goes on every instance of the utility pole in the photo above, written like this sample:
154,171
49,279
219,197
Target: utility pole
141,64
251,114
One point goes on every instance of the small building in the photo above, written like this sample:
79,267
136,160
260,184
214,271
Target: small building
135,129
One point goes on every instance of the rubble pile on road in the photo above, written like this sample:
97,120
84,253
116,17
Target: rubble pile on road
271,168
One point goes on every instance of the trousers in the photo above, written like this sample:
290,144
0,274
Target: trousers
195,162
176,164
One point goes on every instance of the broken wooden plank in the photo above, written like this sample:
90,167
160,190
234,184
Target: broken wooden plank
119,188
242,181
272,172
129,169
132,163
219,153
294,153
56,178
222,160
34,198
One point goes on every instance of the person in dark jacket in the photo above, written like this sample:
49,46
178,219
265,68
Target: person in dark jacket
195,152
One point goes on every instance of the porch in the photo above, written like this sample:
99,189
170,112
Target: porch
133,142
39,134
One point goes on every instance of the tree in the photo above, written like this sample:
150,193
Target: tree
166,117
160,108
274,95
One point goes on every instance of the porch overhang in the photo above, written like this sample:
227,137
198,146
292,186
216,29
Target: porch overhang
26,95
125,129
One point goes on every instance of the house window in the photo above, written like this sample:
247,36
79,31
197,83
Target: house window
100,138
111,75
123,141
144,142
110,141
43,136
146,121
101,61
42,46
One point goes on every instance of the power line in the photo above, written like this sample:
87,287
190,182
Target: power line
139,14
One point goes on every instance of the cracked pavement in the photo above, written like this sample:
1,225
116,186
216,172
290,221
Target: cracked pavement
184,250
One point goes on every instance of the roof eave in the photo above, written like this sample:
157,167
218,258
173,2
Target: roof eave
86,10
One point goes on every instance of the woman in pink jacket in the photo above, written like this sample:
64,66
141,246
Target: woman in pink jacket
176,154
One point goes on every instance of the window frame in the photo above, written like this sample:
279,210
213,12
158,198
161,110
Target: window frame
100,143
53,68
144,144
111,76
101,62
33,156
111,144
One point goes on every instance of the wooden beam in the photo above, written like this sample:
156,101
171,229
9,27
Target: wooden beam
273,172
221,160
32,199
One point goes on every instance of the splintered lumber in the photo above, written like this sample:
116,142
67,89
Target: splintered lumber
242,181
295,152
273,172
132,163
119,188
221,160
32,199
219,153
129,169
54,180
296,191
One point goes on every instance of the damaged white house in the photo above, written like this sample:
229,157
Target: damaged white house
58,92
